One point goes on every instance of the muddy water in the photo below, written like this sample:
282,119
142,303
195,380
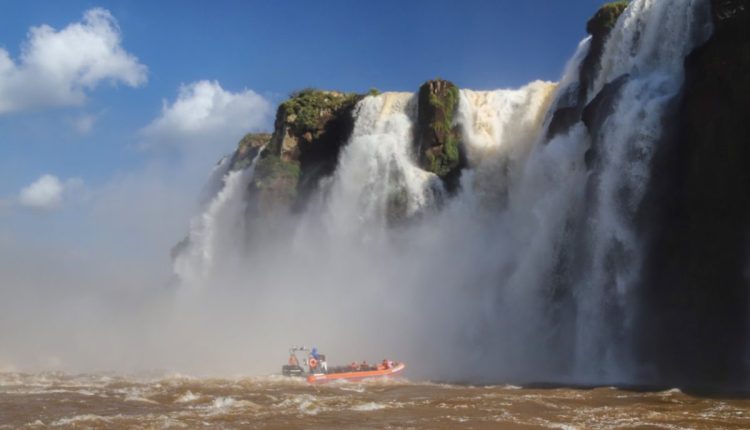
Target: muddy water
114,402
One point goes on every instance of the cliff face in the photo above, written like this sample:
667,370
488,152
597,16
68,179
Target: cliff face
436,138
572,106
312,126
247,149
310,129
696,290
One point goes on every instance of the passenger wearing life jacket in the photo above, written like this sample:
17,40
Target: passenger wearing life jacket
293,360
315,359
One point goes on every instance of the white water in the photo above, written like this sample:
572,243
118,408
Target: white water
376,171
524,273
649,43
214,234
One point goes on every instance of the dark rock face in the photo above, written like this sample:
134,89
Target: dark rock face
696,292
597,111
309,131
599,27
436,140
562,120
319,156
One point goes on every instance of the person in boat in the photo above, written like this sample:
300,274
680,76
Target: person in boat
293,360
364,365
315,361
323,363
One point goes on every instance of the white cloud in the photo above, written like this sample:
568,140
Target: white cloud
205,113
56,68
47,192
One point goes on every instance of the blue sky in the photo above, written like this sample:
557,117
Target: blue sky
106,147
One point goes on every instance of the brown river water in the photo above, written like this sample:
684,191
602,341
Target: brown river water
61,401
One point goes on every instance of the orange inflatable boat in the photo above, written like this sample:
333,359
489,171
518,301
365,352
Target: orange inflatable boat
318,371
356,375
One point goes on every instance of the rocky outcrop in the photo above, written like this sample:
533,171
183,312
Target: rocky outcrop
437,140
599,26
696,291
247,149
309,131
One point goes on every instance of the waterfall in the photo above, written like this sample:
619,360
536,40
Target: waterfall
648,46
499,129
532,262
377,178
214,233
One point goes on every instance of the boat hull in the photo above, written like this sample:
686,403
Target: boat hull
318,378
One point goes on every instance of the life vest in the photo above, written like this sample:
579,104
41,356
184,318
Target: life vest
313,363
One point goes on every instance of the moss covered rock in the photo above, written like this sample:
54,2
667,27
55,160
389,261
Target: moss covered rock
247,149
307,111
437,140
310,128
605,18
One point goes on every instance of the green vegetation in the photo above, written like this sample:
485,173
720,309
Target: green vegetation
444,103
606,17
307,109
373,92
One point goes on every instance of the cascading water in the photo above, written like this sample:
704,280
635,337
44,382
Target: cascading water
530,263
499,129
377,178
213,235
648,46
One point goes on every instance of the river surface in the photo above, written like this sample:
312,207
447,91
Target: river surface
56,400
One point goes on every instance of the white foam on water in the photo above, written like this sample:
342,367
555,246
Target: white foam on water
370,406
187,397
80,419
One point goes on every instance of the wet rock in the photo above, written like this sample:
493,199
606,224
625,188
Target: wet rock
309,131
599,27
247,149
696,291
437,141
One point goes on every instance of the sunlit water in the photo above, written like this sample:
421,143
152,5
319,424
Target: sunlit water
55,400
